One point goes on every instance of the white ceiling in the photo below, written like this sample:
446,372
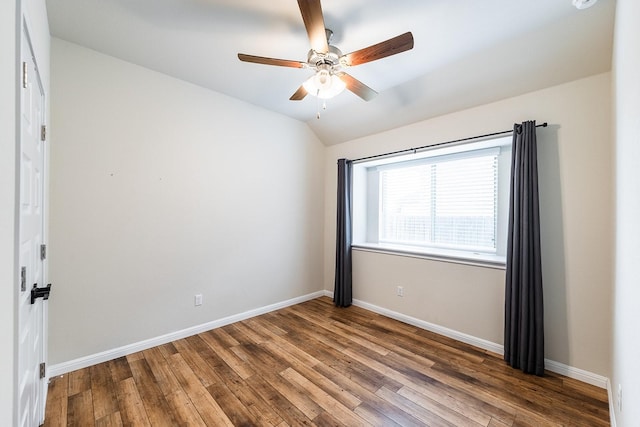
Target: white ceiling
467,52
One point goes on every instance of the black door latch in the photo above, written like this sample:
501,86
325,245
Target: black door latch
37,292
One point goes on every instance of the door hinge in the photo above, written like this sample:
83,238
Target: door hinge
23,279
43,370
43,252
43,133
24,75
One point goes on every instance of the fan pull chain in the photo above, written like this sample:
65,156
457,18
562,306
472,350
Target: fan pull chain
324,105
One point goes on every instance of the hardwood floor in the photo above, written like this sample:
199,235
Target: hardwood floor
314,364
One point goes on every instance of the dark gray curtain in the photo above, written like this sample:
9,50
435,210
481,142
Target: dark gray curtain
523,323
342,291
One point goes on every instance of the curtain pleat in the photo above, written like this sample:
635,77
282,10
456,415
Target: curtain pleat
524,314
342,294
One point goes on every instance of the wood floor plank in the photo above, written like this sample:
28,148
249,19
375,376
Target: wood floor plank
326,419
79,381
241,367
369,399
255,336
588,391
132,409
323,399
112,420
197,393
154,401
444,412
294,394
210,411
313,364
463,402
305,327
255,402
167,349
197,364
528,419
263,413
56,412
58,387
410,379
266,328
256,356
336,329
282,346
162,372
381,368
416,378
222,337
524,394
119,369
467,385
57,401
314,344
345,365
284,407
134,356
417,411
374,417
497,423
239,333
80,409
184,410
321,381
237,412
103,391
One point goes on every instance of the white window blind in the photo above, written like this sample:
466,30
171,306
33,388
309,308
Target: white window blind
448,201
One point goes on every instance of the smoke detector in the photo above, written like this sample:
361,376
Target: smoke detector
583,4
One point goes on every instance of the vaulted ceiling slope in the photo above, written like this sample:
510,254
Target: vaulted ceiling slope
467,52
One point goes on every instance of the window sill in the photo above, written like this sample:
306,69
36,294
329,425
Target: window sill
475,259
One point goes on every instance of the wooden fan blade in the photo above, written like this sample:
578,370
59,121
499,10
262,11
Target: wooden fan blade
383,49
299,95
357,87
270,61
311,11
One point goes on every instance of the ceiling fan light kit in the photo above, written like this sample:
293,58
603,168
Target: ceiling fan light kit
324,84
329,63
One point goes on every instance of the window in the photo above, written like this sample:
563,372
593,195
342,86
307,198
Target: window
446,203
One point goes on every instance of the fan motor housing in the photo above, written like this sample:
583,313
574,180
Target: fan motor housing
331,58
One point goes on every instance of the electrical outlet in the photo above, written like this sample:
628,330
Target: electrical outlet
197,300
619,397
400,291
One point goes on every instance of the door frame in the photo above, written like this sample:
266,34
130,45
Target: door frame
28,49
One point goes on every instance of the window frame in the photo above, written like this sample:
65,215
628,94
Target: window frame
366,203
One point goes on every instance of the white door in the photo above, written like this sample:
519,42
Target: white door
31,330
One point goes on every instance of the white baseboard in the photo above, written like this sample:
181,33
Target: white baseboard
83,362
576,373
553,366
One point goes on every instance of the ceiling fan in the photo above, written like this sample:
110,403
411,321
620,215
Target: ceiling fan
328,61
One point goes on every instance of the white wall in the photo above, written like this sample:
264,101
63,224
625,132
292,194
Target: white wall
160,190
7,209
626,331
575,197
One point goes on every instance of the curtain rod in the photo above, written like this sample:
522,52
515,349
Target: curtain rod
408,150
